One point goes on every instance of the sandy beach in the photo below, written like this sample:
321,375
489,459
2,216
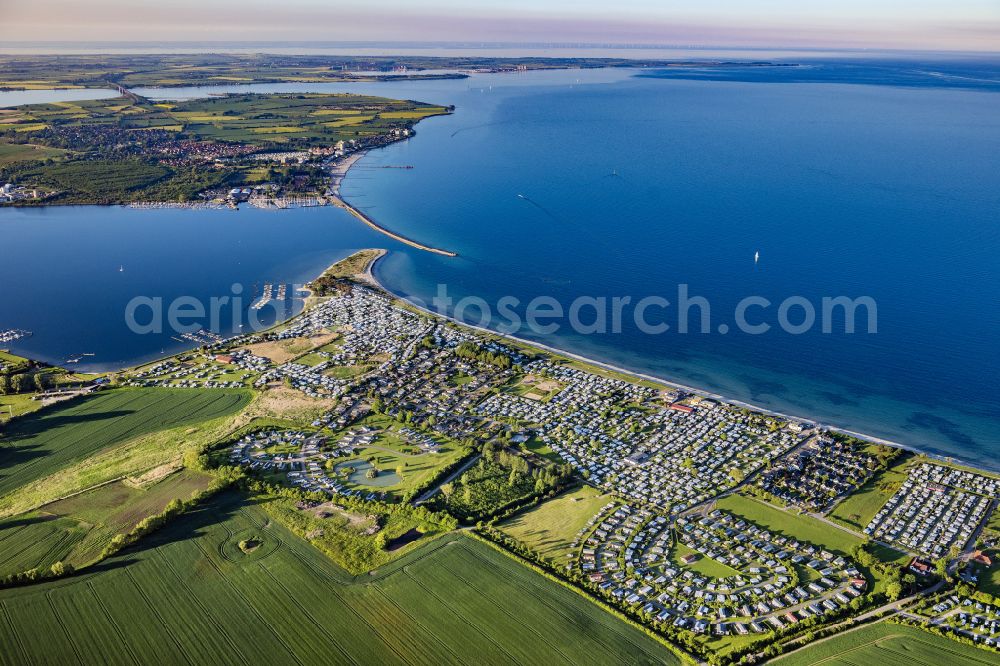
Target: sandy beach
338,170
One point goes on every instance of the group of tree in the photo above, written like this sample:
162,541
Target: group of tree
897,583
24,383
472,352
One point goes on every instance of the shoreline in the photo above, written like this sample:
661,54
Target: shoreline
369,278
671,383
338,172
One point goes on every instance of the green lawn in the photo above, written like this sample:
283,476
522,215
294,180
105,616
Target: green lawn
460,380
857,510
17,405
549,528
540,448
311,359
705,566
346,371
790,524
189,594
888,644
42,443
7,357
392,450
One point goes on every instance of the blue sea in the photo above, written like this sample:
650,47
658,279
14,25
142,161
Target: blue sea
858,179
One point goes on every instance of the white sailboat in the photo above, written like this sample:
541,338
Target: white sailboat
756,256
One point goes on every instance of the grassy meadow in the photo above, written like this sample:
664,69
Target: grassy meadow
21,152
551,527
858,509
75,530
790,524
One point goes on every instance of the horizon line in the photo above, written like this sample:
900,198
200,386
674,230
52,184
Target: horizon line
484,45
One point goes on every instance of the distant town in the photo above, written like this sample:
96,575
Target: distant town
269,150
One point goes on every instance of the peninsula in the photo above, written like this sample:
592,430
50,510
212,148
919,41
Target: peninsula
270,149
371,482
266,150
391,447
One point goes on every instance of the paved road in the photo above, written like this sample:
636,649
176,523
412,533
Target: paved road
704,507
451,477
889,609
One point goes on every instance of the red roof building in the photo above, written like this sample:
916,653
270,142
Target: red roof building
979,557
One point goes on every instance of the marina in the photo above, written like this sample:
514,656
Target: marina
12,334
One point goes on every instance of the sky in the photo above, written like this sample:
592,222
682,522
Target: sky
960,25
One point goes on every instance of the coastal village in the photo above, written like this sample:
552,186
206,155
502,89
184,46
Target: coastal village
688,538
411,392
264,150
370,482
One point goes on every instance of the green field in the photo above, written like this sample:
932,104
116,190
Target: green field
37,541
705,566
262,119
549,528
75,530
189,594
19,152
42,443
101,178
346,371
12,406
888,644
858,509
790,524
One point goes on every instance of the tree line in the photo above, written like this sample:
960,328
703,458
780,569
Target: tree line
25,383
